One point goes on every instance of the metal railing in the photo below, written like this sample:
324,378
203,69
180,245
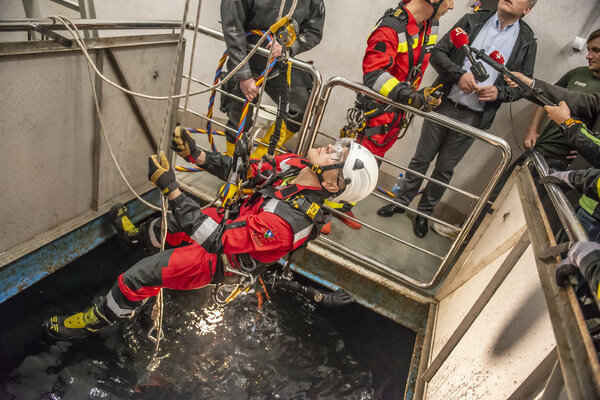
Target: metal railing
563,208
30,24
577,365
308,133
478,134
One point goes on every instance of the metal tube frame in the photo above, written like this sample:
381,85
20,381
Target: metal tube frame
27,25
478,134
563,208
313,118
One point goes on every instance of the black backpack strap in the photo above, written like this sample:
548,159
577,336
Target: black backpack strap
395,18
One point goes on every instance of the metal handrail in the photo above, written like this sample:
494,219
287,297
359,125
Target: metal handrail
475,133
563,208
240,99
50,23
313,117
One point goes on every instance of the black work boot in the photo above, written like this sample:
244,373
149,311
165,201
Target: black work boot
421,226
77,325
127,233
389,210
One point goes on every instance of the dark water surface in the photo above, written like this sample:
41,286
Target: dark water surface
254,348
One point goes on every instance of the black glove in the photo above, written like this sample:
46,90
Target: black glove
161,174
425,99
185,145
240,152
562,178
338,298
564,271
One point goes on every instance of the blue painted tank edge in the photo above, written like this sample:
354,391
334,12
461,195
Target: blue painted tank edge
35,266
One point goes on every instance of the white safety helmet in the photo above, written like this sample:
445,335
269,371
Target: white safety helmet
359,172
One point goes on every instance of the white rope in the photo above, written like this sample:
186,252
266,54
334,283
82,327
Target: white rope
189,81
253,132
74,31
103,131
158,310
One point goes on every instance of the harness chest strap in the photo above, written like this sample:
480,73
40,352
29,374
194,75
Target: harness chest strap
398,20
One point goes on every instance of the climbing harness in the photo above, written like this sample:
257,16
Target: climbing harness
211,102
156,333
366,109
284,202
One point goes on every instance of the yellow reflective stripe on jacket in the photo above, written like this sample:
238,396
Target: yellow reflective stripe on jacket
433,35
388,86
589,135
385,83
585,202
403,44
588,204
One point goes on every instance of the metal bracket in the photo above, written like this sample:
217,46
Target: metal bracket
63,41
554,251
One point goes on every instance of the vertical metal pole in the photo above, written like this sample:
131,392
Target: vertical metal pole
97,135
32,11
174,111
88,11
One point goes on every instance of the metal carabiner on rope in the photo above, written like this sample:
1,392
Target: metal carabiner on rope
247,281
159,336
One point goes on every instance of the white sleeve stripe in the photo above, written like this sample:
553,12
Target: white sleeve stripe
115,308
153,239
204,230
381,81
271,205
303,234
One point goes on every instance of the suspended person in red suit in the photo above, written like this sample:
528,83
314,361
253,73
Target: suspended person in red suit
260,229
394,63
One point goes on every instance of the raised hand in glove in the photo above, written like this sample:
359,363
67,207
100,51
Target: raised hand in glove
161,174
582,256
425,99
562,178
185,145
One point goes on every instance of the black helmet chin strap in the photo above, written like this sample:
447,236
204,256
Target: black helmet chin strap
318,171
435,6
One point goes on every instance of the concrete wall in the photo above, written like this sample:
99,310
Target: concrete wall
556,23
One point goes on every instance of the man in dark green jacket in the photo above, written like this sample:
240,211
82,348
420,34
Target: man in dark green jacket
551,143
585,141
584,256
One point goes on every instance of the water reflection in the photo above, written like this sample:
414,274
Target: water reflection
255,348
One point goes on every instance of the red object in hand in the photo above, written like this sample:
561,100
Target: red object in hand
496,55
459,37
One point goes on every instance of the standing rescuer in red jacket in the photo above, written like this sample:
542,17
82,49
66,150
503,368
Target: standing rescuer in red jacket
395,60
282,214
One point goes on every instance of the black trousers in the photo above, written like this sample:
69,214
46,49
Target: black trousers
298,99
448,145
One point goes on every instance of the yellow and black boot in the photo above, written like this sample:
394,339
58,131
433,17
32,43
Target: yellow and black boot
127,233
78,325
230,148
131,236
262,149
